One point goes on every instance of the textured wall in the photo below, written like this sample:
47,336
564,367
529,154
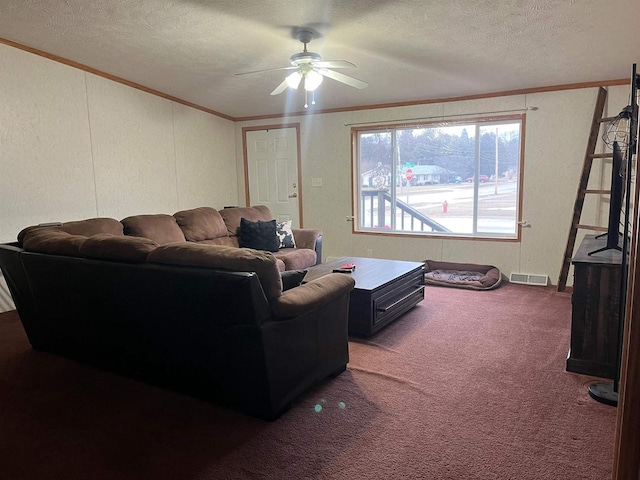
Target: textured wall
46,171
74,145
555,142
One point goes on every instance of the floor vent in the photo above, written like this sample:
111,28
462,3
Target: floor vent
527,279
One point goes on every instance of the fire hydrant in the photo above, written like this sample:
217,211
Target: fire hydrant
445,207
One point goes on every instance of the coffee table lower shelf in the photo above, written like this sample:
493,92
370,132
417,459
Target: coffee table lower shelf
385,289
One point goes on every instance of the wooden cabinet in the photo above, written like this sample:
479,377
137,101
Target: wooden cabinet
595,309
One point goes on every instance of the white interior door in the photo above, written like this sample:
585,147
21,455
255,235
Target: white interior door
272,170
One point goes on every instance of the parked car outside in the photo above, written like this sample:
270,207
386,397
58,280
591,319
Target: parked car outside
481,178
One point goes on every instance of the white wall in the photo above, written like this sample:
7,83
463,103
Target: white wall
555,142
74,145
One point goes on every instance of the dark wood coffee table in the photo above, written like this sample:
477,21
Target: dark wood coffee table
385,289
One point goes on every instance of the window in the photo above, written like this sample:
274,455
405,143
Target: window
446,179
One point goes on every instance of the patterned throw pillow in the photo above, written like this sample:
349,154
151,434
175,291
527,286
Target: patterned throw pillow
285,235
259,235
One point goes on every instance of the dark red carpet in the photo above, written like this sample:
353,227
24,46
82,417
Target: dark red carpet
468,385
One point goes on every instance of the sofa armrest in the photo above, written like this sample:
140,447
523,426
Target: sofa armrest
311,295
309,238
306,237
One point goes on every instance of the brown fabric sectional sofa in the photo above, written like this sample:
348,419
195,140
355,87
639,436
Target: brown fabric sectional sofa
173,300
203,225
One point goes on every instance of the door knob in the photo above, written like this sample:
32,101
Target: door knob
293,195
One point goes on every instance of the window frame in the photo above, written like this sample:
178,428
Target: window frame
356,197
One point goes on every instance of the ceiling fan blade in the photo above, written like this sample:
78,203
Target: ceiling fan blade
280,88
266,70
292,80
340,77
334,64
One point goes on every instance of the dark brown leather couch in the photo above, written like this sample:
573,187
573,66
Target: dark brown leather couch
210,320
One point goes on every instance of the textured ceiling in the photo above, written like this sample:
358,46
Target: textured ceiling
407,50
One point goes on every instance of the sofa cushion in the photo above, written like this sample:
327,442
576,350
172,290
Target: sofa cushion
88,227
285,235
29,230
161,228
227,258
232,216
54,241
115,247
224,241
203,223
259,235
93,226
296,258
292,278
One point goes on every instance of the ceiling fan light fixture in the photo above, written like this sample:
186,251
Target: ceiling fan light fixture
312,80
294,79
309,67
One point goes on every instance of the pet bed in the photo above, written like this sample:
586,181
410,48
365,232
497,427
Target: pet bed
462,275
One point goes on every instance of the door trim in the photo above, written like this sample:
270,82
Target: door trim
278,126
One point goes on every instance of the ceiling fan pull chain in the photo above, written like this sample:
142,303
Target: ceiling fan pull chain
306,99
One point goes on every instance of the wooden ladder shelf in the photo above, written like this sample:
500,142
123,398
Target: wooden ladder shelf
590,154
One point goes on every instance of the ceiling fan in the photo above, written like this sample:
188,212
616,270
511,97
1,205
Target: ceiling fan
309,69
